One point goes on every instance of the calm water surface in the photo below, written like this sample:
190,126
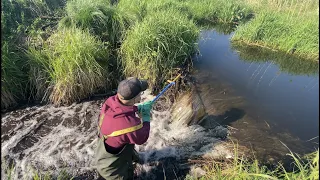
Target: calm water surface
280,92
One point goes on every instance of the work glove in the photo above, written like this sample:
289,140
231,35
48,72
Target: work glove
144,111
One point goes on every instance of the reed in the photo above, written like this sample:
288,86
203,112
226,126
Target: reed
99,17
276,26
162,41
13,75
72,63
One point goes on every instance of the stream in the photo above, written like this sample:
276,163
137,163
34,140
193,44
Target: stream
279,95
260,101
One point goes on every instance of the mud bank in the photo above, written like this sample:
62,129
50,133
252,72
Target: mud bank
51,139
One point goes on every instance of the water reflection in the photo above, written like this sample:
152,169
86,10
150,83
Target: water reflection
279,91
286,62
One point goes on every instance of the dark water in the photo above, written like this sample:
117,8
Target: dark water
280,93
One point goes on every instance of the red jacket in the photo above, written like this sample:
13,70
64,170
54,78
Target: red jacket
117,117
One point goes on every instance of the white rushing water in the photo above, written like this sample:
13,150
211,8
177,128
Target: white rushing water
52,139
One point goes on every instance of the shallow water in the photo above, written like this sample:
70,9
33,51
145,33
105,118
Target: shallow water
280,94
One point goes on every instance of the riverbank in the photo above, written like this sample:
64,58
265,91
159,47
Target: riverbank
275,26
124,39
239,167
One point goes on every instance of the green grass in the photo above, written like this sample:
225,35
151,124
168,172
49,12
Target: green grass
162,41
242,168
37,175
62,175
140,9
135,9
72,63
103,20
204,12
218,11
283,25
149,45
304,167
13,75
17,18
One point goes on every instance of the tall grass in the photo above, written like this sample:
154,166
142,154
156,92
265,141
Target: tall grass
242,168
159,43
156,35
283,25
140,9
103,20
218,11
13,75
202,11
73,63
136,9
17,20
304,167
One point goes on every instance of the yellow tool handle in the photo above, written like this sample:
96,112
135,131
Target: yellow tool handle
175,79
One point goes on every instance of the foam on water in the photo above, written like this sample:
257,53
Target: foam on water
51,139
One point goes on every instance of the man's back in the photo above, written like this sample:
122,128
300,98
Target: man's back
120,129
118,117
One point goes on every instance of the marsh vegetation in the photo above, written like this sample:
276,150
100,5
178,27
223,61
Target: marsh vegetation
62,52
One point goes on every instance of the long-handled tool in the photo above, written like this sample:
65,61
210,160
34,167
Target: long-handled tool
167,87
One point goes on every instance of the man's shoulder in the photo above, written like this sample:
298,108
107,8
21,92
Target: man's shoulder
110,98
125,119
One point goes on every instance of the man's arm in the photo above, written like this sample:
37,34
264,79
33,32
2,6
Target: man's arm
140,136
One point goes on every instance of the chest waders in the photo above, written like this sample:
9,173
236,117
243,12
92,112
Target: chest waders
115,166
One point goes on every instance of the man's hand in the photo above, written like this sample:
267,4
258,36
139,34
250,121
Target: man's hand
144,111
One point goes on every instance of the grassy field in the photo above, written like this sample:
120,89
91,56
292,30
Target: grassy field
289,26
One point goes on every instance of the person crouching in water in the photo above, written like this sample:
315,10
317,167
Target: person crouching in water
121,126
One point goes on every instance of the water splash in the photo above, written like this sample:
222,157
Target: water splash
52,139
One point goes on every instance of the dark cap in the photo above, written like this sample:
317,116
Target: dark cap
131,87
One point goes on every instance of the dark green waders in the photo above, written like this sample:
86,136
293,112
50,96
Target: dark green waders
115,166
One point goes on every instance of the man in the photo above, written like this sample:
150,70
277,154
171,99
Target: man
121,126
